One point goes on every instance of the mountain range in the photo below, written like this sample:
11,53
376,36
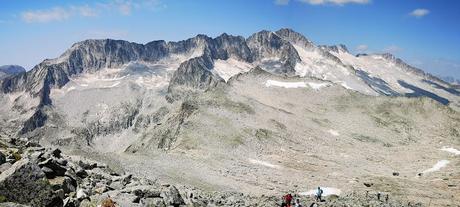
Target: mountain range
232,113
204,62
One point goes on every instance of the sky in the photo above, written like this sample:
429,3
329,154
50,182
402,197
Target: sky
424,33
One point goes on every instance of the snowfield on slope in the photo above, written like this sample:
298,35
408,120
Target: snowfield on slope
333,132
315,64
270,83
387,76
315,86
230,67
264,163
451,150
440,164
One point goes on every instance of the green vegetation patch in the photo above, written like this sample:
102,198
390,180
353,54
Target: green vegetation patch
3,199
263,134
364,138
222,101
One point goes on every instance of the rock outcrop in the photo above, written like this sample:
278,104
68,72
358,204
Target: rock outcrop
270,49
24,182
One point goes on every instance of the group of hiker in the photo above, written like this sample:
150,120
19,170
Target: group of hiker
287,200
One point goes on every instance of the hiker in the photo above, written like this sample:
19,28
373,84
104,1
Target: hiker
287,200
319,193
297,203
283,201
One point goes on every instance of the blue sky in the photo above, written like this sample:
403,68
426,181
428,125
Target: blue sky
425,33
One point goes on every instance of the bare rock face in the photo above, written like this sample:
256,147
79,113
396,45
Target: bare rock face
270,49
295,37
335,48
172,197
194,74
25,183
227,46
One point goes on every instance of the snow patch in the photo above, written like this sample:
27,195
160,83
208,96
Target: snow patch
451,150
71,88
230,67
327,191
264,163
318,86
440,164
113,79
283,84
316,63
182,57
309,58
333,132
113,85
343,84
270,83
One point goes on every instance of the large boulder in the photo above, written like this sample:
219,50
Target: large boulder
52,168
25,183
172,197
65,183
148,202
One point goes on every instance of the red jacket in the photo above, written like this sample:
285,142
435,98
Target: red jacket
288,198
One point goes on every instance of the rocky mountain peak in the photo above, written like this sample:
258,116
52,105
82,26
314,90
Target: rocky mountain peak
343,48
229,46
264,37
268,47
294,37
387,56
335,48
200,40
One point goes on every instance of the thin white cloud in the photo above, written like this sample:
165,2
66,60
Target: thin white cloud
85,11
392,49
419,13
281,2
123,7
362,48
335,2
42,16
126,7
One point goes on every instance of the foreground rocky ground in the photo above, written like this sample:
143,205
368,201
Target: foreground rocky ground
32,175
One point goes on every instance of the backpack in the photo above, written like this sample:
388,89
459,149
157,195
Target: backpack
287,198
